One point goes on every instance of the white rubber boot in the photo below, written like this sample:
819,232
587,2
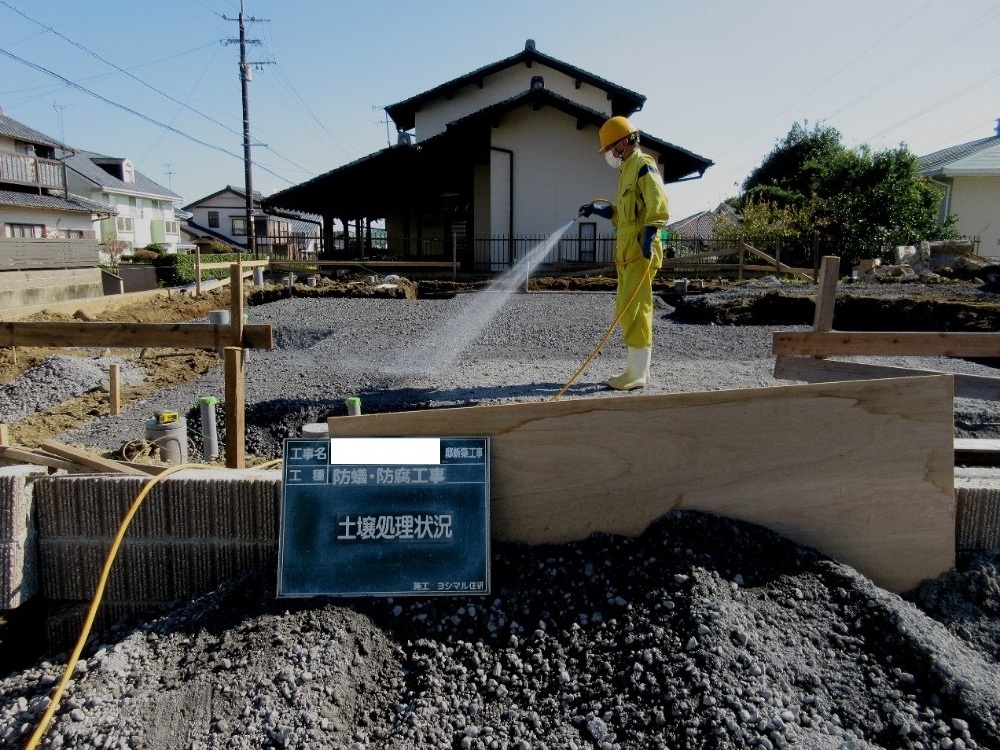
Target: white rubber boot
636,372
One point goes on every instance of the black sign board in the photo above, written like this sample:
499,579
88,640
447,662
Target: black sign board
385,517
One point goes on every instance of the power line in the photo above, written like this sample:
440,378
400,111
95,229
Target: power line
140,81
131,111
118,67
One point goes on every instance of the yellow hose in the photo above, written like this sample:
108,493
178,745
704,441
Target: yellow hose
607,335
96,603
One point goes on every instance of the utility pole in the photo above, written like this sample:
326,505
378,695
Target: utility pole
245,78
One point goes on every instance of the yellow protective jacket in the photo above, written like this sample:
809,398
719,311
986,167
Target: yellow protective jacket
641,202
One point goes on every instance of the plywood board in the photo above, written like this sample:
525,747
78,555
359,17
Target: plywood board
812,370
862,471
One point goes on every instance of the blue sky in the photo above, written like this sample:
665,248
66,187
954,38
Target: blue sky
723,78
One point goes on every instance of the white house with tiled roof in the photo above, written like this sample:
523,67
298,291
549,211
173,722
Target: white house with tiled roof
34,202
48,245
505,153
143,210
970,174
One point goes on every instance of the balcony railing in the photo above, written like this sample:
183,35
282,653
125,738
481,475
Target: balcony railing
20,169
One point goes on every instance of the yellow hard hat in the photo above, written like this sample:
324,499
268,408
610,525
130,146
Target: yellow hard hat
614,130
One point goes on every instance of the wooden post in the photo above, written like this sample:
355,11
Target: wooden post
740,272
4,434
236,304
777,258
197,271
235,409
826,293
115,389
454,256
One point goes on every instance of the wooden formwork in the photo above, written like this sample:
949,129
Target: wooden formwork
808,461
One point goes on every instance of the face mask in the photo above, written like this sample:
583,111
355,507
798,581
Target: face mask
615,162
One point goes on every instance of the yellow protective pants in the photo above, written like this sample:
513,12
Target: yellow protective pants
635,283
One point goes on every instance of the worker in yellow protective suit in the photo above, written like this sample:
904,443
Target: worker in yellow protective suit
638,214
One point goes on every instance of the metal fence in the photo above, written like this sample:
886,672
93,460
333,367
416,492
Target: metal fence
500,253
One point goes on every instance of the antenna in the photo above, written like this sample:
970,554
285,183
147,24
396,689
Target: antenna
385,121
59,115
169,173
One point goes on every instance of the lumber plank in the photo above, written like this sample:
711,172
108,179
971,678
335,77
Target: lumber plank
886,343
796,459
132,335
39,458
812,370
86,458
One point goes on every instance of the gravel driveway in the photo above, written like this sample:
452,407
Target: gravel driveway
481,348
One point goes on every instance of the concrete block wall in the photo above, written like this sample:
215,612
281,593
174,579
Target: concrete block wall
18,569
200,528
20,288
977,519
194,531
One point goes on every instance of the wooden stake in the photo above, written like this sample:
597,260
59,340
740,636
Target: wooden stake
236,304
826,295
197,271
4,435
115,389
235,405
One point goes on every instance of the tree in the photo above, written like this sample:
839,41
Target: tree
115,249
865,202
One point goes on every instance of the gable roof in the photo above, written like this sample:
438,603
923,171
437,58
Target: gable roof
623,101
360,187
241,193
980,157
19,131
701,226
87,165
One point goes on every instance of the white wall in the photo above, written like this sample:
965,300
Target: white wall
976,202
556,170
53,221
435,115
229,206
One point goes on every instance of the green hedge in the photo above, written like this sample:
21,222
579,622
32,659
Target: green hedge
177,270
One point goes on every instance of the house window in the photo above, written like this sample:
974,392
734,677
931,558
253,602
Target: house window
213,219
124,223
171,227
128,171
35,231
239,227
260,227
73,234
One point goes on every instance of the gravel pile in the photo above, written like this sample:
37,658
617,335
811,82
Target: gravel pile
59,379
702,633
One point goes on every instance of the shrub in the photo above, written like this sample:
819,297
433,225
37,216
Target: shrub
176,270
